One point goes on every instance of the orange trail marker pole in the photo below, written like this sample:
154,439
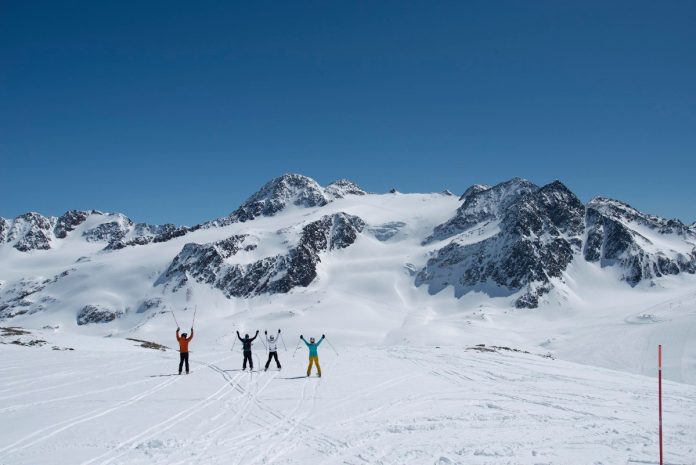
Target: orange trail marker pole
659,389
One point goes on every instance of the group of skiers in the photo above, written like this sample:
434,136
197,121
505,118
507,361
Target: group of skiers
271,345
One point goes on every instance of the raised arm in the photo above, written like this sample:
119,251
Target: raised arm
255,335
191,336
177,334
239,337
319,341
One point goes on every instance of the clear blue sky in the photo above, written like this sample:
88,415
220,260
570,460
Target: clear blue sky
177,111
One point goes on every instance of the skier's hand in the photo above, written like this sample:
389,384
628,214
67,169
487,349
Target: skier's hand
177,328
323,337
191,328
278,331
301,336
265,332
257,331
237,332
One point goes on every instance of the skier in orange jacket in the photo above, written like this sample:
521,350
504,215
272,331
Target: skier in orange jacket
183,349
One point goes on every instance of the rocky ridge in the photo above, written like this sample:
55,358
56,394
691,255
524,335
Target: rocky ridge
206,263
516,238
285,191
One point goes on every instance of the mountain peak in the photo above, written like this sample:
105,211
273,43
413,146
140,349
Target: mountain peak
481,204
475,189
280,192
342,187
556,185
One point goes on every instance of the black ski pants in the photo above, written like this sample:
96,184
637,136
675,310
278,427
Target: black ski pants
183,357
272,355
247,356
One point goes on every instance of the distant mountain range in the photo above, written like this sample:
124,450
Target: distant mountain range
514,240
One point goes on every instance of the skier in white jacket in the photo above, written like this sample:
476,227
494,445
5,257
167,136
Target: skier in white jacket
272,344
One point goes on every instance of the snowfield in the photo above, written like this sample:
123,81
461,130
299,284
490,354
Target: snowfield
566,374
113,402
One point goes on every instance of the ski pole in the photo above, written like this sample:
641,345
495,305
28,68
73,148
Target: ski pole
331,345
194,316
235,341
298,346
177,323
282,339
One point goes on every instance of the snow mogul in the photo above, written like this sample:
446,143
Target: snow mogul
312,345
246,348
184,340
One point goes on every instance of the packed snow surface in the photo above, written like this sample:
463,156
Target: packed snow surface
112,402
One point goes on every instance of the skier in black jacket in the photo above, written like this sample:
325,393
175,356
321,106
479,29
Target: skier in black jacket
246,348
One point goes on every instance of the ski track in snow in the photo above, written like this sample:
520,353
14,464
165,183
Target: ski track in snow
50,431
384,405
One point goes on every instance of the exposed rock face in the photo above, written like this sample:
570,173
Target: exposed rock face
384,232
475,189
68,222
4,228
150,304
287,190
274,196
619,235
205,263
143,234
90,314
202,262
515,236
482,204
341,188
540,231
111,231
31,231
23,296
16,299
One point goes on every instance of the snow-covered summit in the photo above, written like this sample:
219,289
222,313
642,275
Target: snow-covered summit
522,245
288,190
475,189
516,238
615,209
343,187
481,203
33,231
644,246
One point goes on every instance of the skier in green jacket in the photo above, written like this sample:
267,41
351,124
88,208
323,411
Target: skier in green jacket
312,345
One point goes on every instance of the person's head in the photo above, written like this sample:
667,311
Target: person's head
246,336
312,340
184,334
271,338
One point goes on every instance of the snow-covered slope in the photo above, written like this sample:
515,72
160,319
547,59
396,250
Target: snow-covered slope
111,401
511,264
